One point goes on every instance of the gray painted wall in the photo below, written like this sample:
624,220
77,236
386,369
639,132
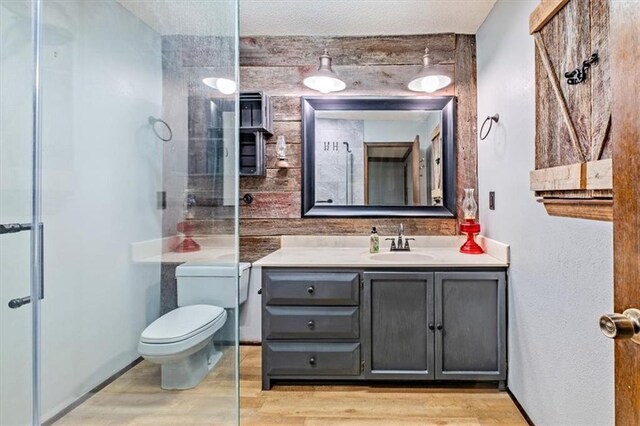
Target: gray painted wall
560,281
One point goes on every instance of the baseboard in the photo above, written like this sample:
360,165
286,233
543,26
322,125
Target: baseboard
520,408
92,392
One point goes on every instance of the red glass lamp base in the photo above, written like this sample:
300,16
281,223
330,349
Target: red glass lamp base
471,228
187,245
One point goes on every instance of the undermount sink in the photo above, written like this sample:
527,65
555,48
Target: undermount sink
400,256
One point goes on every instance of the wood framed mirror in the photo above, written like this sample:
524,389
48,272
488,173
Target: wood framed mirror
378,157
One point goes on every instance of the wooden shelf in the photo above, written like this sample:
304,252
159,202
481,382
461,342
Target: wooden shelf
591,209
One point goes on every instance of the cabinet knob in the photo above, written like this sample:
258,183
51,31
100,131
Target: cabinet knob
622,326
311,290
311,324
312,360
431,326
439,326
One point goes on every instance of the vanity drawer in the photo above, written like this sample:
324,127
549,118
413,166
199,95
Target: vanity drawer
285,322
312,288
313,359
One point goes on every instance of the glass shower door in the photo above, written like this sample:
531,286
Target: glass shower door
16,313
138,162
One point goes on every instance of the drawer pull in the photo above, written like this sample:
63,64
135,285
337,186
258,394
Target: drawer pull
311,324
312,360
311,290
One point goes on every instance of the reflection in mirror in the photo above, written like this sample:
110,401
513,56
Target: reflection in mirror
378,158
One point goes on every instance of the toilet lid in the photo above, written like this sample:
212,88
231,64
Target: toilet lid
181,323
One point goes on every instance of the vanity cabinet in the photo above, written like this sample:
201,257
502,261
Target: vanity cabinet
470,317
398,325
403,325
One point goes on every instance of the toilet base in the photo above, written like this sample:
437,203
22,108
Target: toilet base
188,372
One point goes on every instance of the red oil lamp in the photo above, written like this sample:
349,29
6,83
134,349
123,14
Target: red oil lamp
188,244
469,226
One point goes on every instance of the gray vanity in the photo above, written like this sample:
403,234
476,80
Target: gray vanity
382,321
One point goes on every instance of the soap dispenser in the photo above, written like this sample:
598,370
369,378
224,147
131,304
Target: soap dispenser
374,243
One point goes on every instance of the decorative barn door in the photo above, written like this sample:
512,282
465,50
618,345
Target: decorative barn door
572,173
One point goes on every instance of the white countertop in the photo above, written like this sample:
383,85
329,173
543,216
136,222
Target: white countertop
213,250
353,252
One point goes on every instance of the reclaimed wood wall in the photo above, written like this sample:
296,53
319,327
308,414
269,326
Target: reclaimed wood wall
379,66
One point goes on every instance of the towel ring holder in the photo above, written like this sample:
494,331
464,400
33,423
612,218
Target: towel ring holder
489,119
153,121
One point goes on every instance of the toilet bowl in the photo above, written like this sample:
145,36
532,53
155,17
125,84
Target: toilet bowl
181,341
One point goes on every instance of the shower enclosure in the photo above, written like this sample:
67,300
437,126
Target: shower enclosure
118,145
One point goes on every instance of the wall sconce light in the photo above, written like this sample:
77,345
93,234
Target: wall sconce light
428,79
324,80
281,152
223,85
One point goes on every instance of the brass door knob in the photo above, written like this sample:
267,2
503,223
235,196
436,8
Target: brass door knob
622,326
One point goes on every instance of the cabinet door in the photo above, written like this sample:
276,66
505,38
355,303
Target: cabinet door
397,326
470,326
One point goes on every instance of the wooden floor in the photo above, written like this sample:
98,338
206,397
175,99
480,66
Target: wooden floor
136,398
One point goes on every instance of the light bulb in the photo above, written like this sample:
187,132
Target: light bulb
324,84
430,84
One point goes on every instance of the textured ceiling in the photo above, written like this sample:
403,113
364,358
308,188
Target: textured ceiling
312,17
361,17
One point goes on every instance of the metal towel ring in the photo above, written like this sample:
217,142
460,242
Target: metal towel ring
153,121
490,119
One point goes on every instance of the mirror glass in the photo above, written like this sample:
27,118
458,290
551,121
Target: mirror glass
366,156
378,158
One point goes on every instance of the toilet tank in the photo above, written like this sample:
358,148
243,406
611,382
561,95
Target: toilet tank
212,284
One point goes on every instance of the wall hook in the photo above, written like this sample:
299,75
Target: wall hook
579,75
490,120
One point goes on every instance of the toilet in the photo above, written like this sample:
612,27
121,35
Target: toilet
181,341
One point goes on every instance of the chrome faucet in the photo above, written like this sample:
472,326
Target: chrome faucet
400,246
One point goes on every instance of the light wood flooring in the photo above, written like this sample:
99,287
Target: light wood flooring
135,398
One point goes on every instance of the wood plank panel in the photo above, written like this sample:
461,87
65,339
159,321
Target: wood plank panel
600,78
549,113
542,14
583,209
575,47
625,78
283,180
272,205
291,130
465,90
360,51
558,178
341,226
286,108
380,80
600,174
254,248
212,226
587,176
